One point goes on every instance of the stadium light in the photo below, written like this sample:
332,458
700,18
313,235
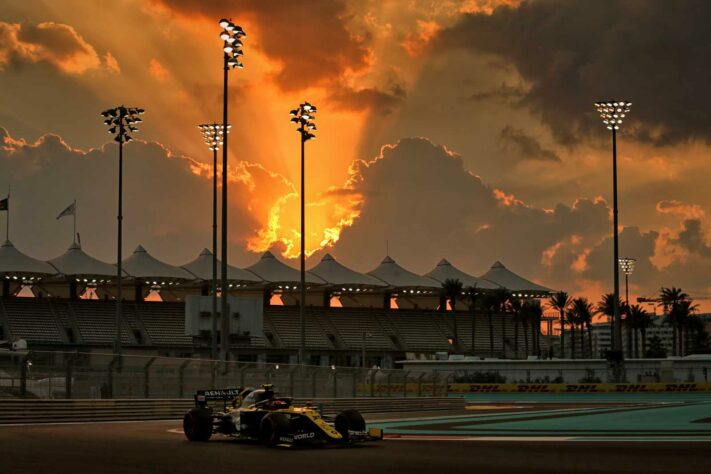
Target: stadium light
303,116
121,121
213,134
613,112
231,36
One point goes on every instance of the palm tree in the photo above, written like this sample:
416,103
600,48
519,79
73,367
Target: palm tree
472,295
680,315
452,288
583,311
669,299
560,301
639,321
535,313
606,306
525,317
515,308
643,323
571,317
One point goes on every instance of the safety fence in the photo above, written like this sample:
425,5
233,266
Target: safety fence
62,411
65,375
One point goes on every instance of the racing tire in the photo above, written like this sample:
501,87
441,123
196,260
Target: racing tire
197,424
273,427
349,420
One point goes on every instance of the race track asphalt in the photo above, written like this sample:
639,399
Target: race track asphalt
156,448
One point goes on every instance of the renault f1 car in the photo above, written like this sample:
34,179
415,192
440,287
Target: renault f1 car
261,415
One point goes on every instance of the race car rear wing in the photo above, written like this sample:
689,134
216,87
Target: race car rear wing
223,394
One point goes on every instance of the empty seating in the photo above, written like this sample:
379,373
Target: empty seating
32,320
164,323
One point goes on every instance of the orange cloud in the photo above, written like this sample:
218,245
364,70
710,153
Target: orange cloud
418,43
158,71
679,208
56,43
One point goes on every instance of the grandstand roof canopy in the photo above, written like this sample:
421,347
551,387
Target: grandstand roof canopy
141,264
334,273
76,262
397,277
201,267
15,263
270,269
445,270
504,277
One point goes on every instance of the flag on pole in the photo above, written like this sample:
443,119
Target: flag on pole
69,211
5,204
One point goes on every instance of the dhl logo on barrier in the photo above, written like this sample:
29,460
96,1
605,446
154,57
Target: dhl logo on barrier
580,388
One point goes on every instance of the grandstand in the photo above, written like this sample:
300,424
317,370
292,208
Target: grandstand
391,312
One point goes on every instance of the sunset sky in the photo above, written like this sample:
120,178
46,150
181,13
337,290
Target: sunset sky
447,129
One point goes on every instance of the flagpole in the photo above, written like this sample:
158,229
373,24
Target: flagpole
74,235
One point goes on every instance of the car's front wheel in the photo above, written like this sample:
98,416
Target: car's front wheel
197,424
273,427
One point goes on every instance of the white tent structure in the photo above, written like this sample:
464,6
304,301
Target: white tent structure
445,271
76,263
17,269
144,266
271,270
16,265
518,285
201,267
337,275
403,280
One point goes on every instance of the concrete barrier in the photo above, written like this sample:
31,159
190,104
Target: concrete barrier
63,411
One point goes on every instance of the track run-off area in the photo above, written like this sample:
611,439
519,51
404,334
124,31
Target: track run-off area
503,432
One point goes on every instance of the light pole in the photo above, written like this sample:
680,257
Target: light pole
303,116
213,134
232,48
613,113
627,265
120,121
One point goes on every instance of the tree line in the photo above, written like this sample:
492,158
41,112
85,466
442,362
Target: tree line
577,315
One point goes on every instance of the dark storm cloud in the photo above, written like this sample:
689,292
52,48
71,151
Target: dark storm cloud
693,239
503,92
526,146
654,53
369,99
167,198
311,41
419,197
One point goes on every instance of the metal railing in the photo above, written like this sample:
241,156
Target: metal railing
40,374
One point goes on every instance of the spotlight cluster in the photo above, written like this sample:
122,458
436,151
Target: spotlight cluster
121,121
213,134
304,116
612,112
627,265
232,36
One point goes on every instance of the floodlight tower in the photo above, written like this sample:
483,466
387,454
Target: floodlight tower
121,121
213,134
232,48
303,116
613,112
627,265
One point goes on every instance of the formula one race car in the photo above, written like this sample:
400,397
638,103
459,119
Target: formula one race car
261,415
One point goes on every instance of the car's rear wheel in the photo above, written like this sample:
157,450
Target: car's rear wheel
272,427
349,420
197,424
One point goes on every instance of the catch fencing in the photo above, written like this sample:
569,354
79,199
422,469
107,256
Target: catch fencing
68,375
